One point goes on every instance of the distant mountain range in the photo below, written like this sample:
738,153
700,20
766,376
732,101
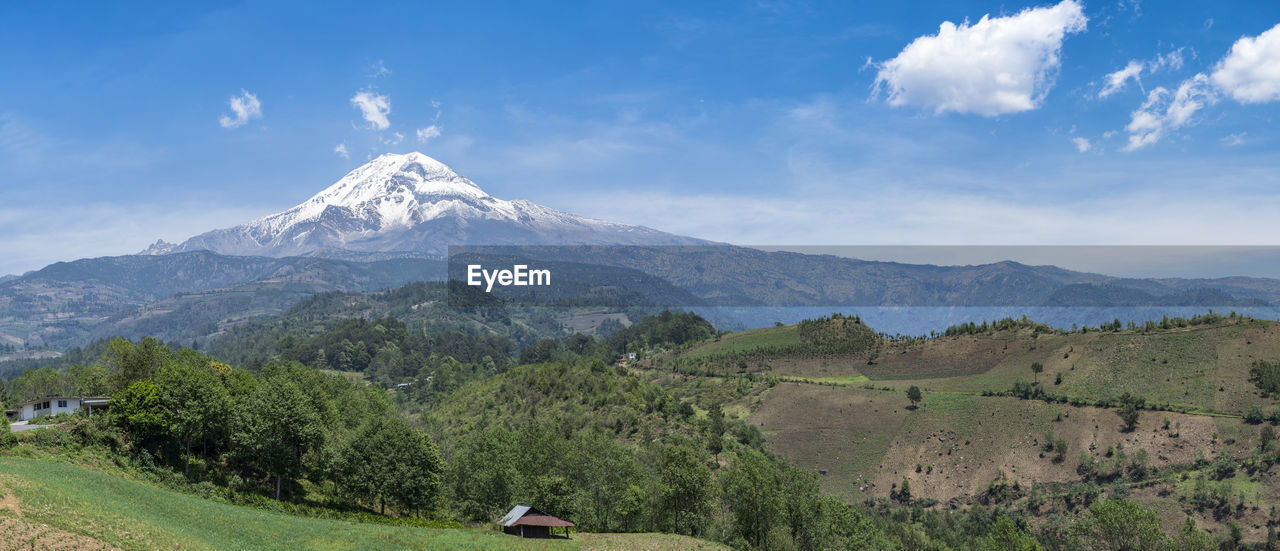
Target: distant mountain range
391,221
67,303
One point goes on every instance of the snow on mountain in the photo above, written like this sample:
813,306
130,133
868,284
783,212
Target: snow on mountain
411,202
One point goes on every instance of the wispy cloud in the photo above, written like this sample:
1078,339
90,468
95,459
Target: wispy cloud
1115,81
995,66
427,133
379,69
1082,144
1166,111
1232,140
245,107
37,237
341,150
912,218
374,108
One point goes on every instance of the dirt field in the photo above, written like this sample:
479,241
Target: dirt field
17,534
868,441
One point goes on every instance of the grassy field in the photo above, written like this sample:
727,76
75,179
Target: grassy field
1198,368
54,505
745,342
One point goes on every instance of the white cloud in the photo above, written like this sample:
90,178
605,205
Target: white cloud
341,150
395,139
374,108
1171,60
908,217
1251,71
427,133
1117,80
1165,111
1082,144
379,70
38,236
995,66
1133,71
245,106
1232,140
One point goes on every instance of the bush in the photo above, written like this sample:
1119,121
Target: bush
1254,416
1266,375
1129,414
7,438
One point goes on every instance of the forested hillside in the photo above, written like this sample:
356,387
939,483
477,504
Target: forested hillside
770,439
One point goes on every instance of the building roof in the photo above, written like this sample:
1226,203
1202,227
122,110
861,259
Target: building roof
528,516
514,514
93,400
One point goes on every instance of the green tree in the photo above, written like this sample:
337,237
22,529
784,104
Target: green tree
604,472
716,427
276,426
90,380
1129,414
1036,369
137,410
37,383
195,405
1191,538
753,493
1120,525
914,395
686,489
128,363
1006,535
482,473
7,438
389,462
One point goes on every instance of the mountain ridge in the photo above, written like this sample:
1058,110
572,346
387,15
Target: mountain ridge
410,203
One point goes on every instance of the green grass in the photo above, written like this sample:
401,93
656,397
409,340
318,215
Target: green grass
843,380
1237,486
745,342
1175,367
133,515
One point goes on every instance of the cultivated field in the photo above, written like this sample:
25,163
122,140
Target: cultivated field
54,505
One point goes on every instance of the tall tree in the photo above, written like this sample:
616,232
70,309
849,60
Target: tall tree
686,489
1121,525
752,490
195,403
390,462
604,472
276,426
914,395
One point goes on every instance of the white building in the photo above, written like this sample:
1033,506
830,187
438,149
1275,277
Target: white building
54,405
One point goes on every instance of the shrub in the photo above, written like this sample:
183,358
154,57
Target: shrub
7,438
1254,416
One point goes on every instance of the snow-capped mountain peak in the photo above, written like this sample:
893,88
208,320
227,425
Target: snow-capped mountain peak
411,202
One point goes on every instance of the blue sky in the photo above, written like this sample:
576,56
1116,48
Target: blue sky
749,122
